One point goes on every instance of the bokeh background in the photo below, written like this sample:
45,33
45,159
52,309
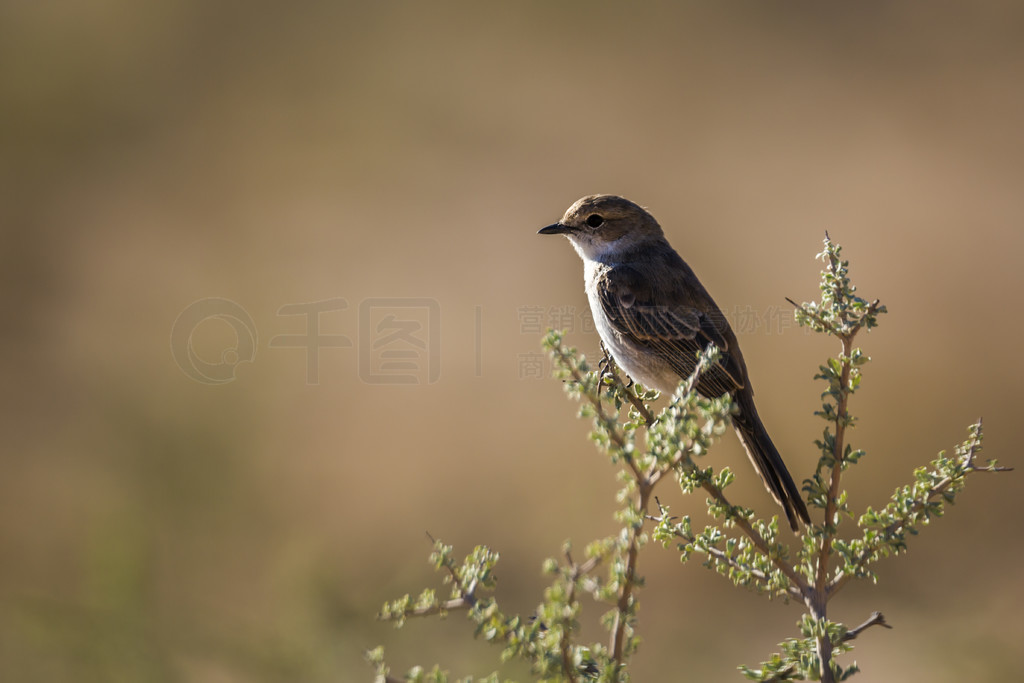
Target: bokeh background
396,159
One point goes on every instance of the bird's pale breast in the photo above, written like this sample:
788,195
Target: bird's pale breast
640,364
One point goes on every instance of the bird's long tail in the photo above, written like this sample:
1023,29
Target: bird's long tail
767,461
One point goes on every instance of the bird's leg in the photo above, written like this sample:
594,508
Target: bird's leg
606,368
605,356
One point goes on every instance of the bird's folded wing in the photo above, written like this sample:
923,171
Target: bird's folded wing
676,332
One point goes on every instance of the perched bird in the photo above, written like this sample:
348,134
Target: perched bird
654,317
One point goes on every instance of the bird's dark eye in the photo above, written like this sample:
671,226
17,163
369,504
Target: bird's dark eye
594,220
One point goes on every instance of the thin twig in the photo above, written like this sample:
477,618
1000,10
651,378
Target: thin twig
466,594
803,588
721,555
782,675
629,580
817,317
876,619
447,606
832,500
565,644
575,572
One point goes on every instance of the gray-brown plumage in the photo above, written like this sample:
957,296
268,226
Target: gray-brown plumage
654,316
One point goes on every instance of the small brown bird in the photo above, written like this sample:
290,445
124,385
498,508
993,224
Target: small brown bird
654,317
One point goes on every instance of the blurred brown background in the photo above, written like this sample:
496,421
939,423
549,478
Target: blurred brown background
158,528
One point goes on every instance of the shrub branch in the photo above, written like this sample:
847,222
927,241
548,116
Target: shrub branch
746,549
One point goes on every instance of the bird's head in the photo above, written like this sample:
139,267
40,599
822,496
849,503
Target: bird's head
602,225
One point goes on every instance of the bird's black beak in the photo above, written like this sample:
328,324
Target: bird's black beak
556,229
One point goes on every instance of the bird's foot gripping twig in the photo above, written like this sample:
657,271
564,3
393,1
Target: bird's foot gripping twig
605,366
609,370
